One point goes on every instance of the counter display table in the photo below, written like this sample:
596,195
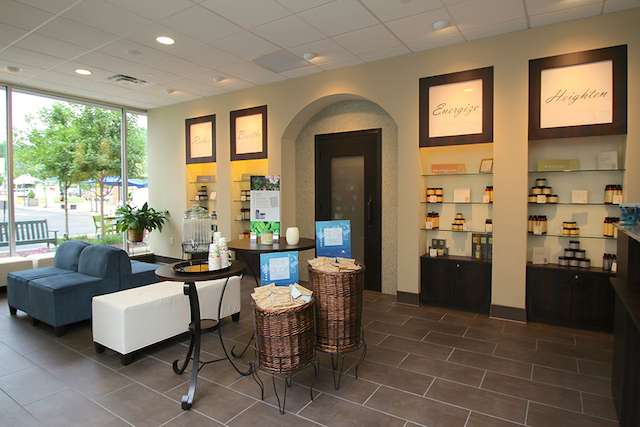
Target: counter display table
198,325
625,378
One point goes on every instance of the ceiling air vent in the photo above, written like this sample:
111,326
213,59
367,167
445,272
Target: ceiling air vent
127,81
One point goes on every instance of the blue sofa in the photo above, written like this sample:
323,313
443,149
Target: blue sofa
61,295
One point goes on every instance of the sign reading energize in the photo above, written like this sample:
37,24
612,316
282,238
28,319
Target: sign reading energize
457,108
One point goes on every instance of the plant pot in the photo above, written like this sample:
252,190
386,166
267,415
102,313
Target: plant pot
135,235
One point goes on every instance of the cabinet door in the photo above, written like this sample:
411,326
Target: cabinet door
473,285
548,295
438,277
592,301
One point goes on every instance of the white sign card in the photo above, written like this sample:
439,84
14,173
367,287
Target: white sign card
201,137
249,134
455,109
576,95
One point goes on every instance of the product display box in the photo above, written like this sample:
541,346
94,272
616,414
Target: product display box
486,245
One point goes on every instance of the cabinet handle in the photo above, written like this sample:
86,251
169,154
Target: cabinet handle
457,265
370,210
577,277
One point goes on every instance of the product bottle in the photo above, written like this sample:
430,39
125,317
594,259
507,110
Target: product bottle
478,248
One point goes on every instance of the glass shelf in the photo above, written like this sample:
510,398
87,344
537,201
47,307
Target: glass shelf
578,171
242,201
457,203
458,174
574,204
208,200
581,236
452,231
202,182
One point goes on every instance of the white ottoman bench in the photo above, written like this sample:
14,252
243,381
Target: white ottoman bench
42,260
11,264
129,320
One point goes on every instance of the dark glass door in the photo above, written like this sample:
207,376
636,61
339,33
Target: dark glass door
349,186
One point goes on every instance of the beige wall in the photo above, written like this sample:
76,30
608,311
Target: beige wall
392,85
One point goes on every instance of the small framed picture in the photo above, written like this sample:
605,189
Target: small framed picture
486,166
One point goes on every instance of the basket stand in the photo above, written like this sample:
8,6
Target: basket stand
284,345
339,331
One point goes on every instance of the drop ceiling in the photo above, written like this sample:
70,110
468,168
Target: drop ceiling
47,40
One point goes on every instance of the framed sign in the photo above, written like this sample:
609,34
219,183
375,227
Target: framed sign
249,133
578,94
280,268
201,139
457,108
333,238
486,166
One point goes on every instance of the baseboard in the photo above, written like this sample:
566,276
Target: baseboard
408,298
508,313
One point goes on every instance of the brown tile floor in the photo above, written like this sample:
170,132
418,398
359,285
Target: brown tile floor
424,366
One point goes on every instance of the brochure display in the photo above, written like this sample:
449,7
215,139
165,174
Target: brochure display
280,268
265,204
333,239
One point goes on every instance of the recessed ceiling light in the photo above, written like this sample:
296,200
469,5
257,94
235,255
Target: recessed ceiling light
169,91
218,79
468,90
308,56
165,40
12,68
440,25
83,72
133,52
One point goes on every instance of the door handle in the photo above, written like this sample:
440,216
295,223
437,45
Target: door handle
370,210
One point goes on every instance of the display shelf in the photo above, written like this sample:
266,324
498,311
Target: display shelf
581,236
456,203
575,204
457,174
579,171
456,231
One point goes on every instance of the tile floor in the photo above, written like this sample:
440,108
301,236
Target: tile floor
424,367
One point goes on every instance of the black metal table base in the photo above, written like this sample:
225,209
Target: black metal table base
196,329
337,364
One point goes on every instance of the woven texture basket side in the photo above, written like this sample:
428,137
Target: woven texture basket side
284,337
338,299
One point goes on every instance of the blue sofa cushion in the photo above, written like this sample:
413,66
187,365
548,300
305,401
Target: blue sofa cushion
60,300
68,254
105,262
142,273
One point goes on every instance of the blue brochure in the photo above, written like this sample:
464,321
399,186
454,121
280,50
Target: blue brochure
333,238
280,268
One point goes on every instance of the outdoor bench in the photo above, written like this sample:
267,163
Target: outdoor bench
28,232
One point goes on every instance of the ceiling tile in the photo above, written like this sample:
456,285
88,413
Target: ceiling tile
178,66
21,15
339,17
120,47
155,10
152,75
97,74
213,91
9,33
147,36
392,10
306,71
539,7
484,13
49,86
53,6
106,62
297,6
209,56
247,13
434,43
188,85
611,6
201,24
494,30
565,15
268,79
385,53
367,40
76,33
106,88
47,45
63,79
288,32
106,17
420,27
341,63
244,70
326,50
30,57
245,45
238,85
27,71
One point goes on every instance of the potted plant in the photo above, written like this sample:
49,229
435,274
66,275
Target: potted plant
135,221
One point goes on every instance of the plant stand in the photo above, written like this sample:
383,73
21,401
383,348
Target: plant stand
284,344
338,316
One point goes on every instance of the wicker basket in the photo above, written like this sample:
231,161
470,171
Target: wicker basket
338,299
284,337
